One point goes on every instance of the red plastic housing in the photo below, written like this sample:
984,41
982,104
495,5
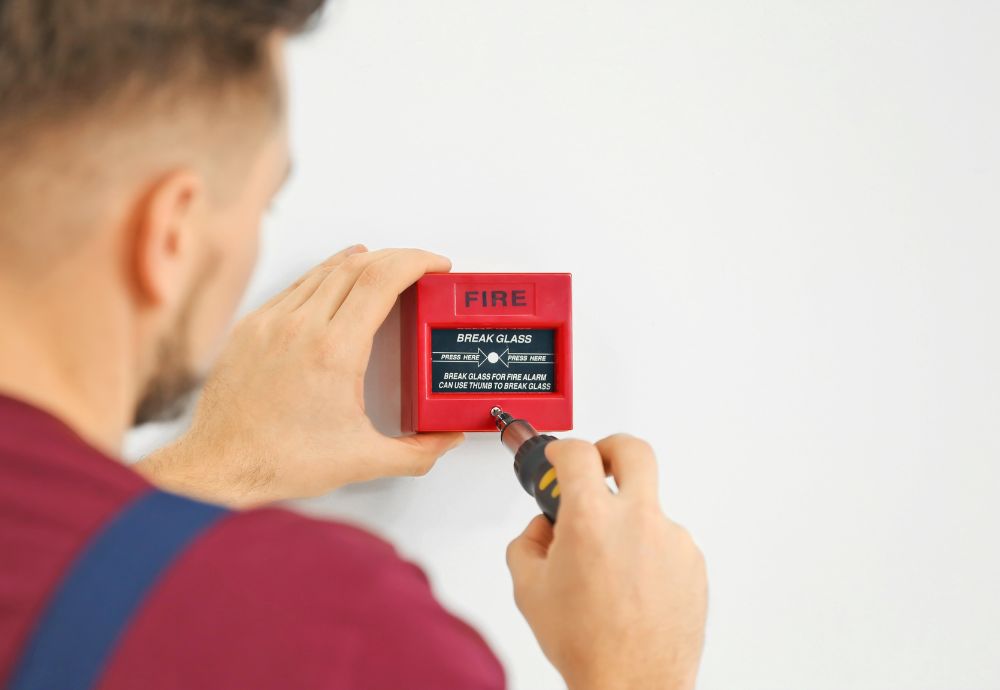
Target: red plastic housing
506,318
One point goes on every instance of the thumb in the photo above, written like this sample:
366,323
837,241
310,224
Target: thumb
415,455
526,554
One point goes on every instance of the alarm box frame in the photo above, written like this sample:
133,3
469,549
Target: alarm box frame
472,341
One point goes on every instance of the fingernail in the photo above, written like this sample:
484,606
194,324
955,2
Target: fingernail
356,249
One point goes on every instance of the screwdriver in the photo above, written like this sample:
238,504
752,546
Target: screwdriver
533,470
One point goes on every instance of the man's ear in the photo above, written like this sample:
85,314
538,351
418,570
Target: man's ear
164,237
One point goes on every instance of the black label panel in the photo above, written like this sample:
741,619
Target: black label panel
493,360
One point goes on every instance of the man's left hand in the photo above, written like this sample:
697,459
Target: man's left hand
283,414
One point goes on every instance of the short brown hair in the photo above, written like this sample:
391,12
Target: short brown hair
59,58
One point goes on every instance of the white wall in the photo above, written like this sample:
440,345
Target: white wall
783,223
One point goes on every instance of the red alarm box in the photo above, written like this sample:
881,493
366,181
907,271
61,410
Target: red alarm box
472,341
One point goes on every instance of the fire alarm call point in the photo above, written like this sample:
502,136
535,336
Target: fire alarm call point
474,341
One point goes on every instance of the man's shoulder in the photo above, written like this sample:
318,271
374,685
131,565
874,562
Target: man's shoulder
272,534
273,548
304,563
269,598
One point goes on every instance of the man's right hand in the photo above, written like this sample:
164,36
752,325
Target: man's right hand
615,593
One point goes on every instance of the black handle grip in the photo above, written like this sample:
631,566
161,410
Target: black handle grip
537,475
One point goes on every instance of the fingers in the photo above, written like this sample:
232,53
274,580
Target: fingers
526,554
579,468
374,294
413,456
298,292
337,284
633,465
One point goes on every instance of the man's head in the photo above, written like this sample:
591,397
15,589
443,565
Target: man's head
140,143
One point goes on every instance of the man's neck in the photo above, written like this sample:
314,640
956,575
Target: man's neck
65,354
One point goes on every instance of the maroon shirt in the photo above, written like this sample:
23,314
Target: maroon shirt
262,599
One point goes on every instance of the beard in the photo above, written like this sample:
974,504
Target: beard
168,392
166,395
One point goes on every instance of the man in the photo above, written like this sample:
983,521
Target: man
140,142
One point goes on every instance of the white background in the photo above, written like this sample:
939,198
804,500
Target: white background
782,219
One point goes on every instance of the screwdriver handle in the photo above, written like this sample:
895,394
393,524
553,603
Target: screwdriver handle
537,475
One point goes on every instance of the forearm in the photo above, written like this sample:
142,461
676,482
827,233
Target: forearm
611,680
188,468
